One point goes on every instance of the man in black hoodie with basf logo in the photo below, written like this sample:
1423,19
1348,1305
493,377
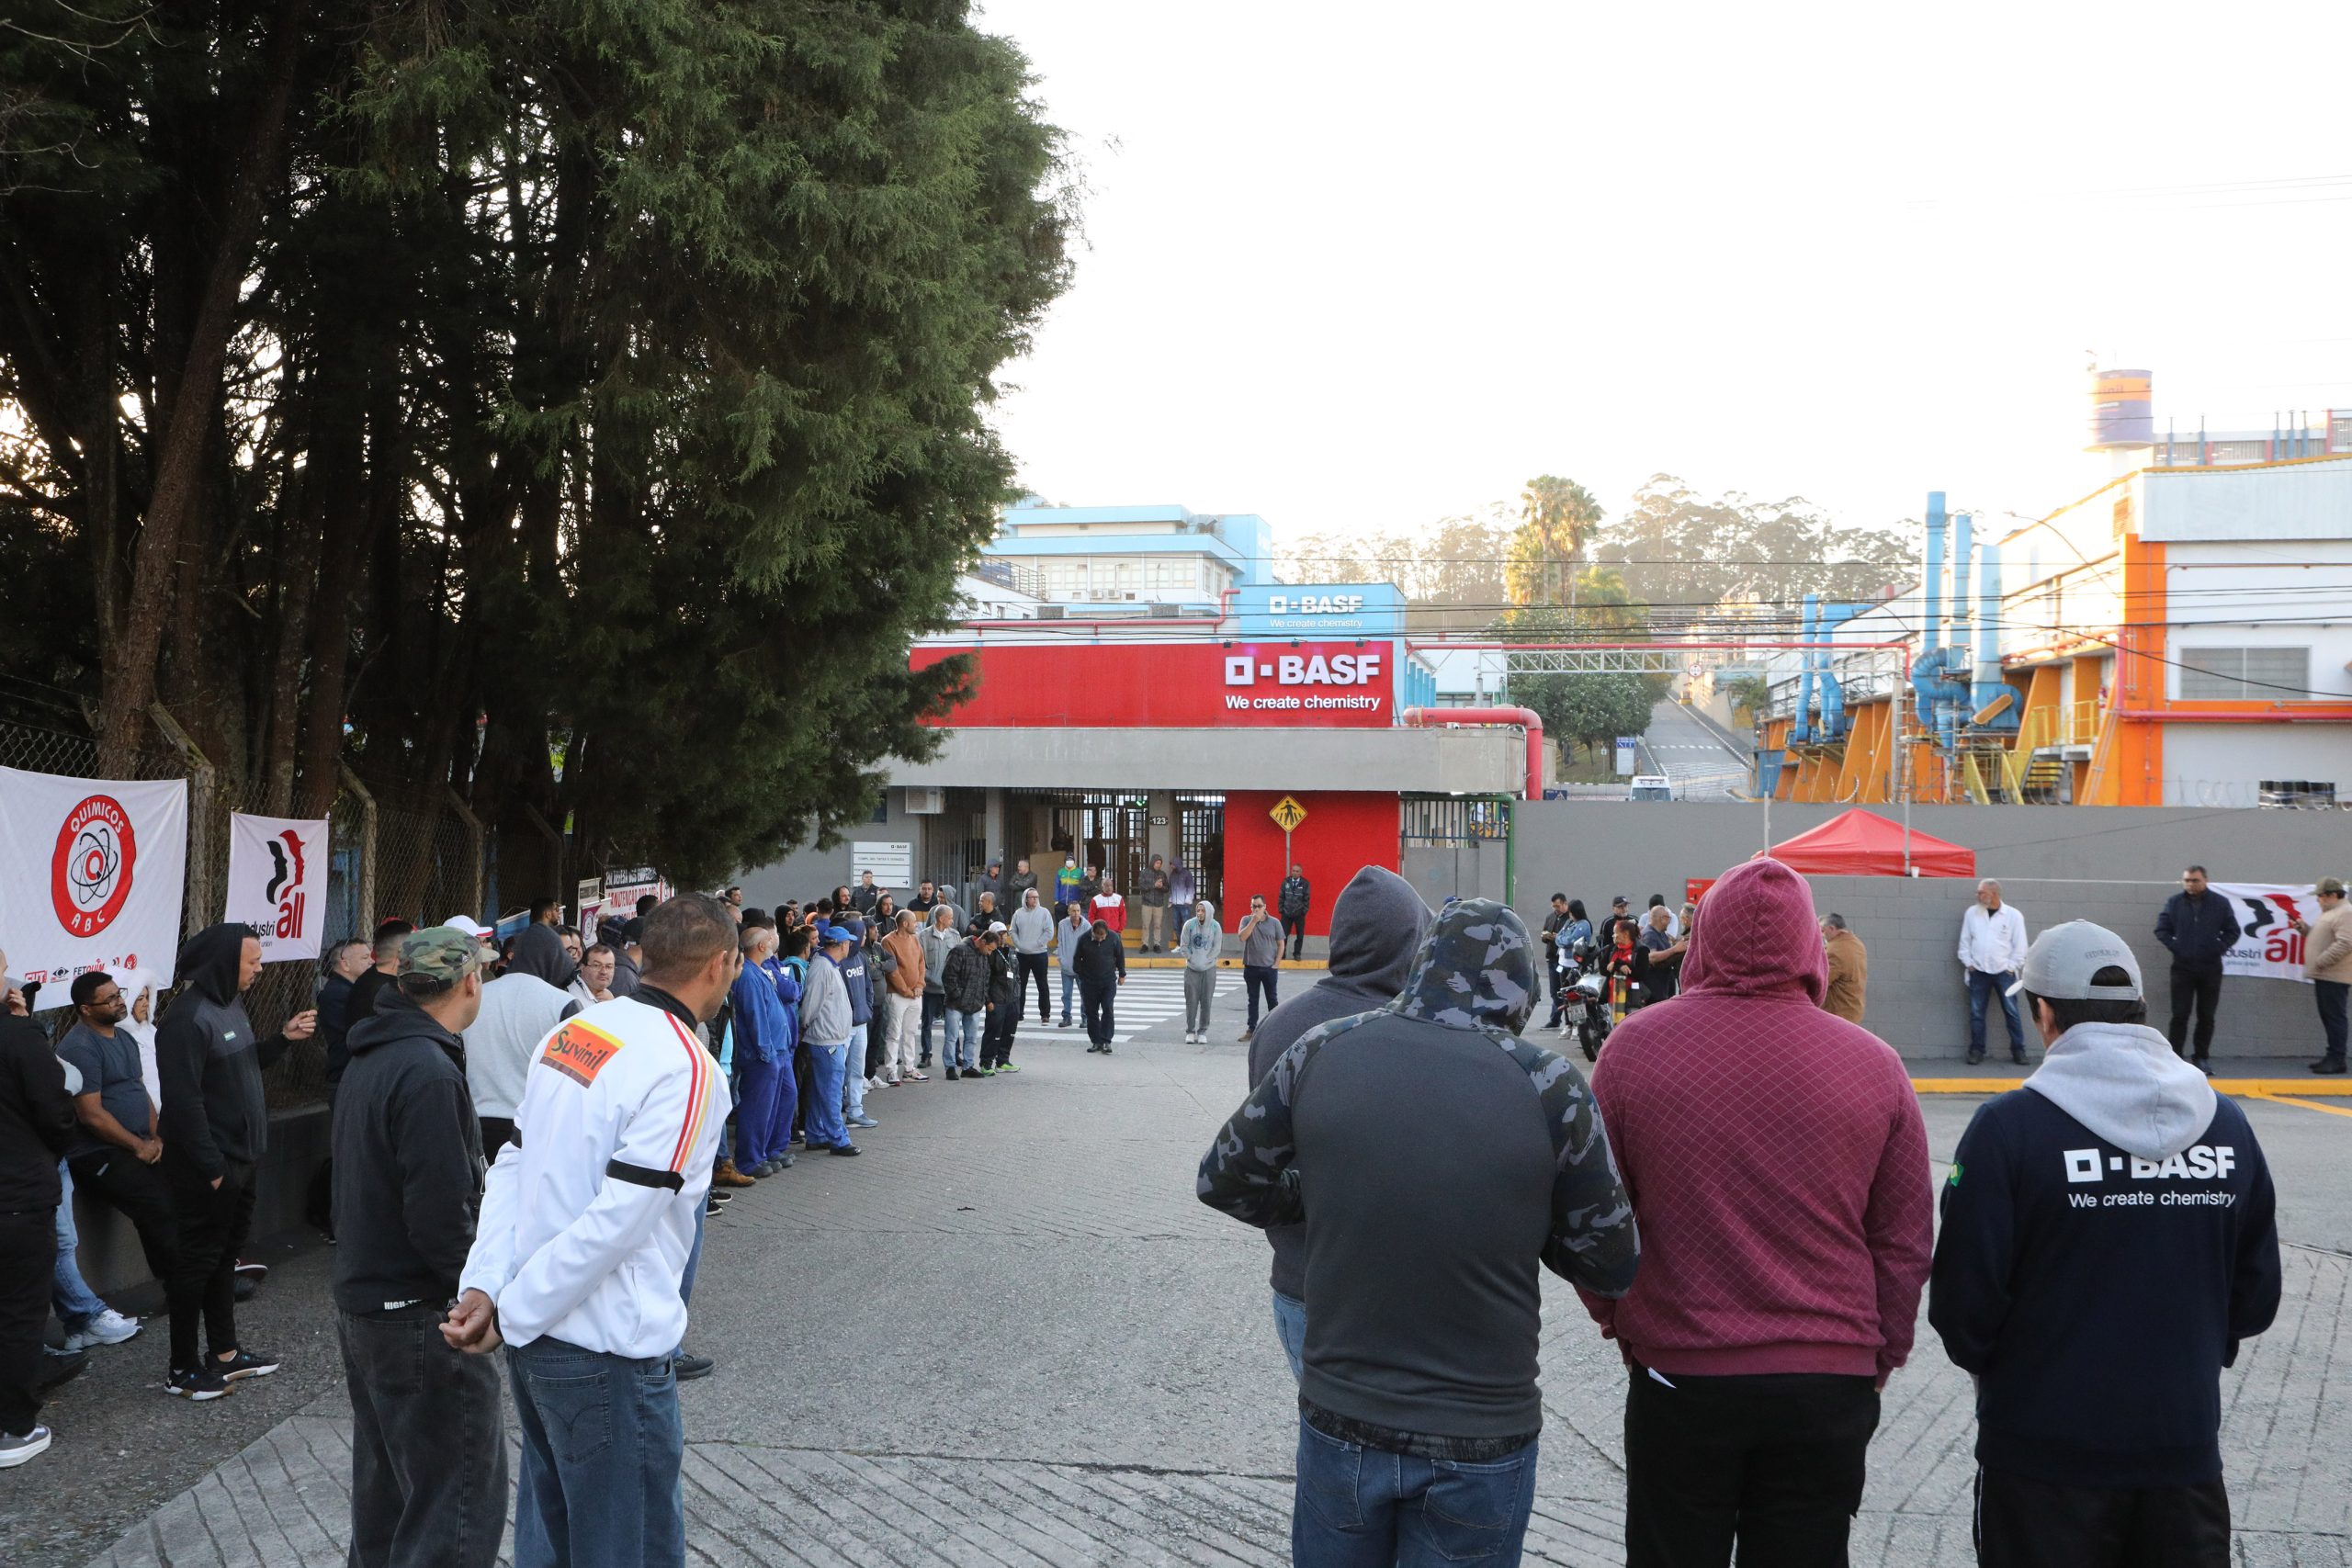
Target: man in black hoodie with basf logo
2110,1236
215,1127
428,1452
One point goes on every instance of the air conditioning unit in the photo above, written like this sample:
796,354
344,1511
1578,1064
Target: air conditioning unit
1164,612
1049,612
925,800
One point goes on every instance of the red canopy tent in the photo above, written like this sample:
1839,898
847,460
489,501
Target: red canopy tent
1863,843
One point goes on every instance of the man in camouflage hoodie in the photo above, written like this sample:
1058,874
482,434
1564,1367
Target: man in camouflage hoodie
1434,1158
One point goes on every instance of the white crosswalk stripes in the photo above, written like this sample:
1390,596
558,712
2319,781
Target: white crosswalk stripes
1150,997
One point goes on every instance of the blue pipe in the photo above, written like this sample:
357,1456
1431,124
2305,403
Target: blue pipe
1989,684
1801,730
1929,633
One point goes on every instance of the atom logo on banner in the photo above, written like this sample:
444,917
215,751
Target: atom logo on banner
90,874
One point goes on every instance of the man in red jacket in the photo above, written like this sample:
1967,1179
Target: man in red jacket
1777,1160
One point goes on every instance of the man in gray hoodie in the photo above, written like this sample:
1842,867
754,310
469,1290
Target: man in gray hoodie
1436,1159
1033,945
1376,927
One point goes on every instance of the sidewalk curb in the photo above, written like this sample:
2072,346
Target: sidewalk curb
2248,1089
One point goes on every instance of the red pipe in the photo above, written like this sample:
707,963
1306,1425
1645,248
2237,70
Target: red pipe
1527,719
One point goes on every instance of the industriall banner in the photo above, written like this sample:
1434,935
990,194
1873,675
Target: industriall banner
94,870
278,882
2267,945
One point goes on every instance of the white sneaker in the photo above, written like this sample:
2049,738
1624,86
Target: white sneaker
15,1449
109,1327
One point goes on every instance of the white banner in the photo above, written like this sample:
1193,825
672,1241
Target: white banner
2267,945
278,882
92,871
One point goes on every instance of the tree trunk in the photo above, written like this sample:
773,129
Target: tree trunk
179,466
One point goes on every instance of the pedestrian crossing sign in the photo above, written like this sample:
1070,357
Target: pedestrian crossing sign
1288,813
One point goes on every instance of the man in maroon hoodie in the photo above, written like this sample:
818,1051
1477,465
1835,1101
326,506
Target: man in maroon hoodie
1777,1160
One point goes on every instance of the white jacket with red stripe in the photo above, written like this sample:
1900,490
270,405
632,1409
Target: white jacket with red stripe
587,1220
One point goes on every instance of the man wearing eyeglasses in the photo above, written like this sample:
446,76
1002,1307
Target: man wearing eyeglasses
116,1155
2197,927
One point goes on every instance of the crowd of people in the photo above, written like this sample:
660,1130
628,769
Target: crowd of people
460,1175
1742,1197
528,1136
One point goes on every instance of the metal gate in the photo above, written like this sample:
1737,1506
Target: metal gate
1200,837
1458,844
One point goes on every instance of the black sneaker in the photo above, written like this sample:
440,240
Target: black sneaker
56,1366
2328,1064
847,1149
2202,1063
243,1364
721,1199
712,1208
1974,1057
195,1382
689,1368
2019,1057
953,1077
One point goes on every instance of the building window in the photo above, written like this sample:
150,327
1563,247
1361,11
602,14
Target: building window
2232,674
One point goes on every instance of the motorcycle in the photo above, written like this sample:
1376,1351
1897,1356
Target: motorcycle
1585,1004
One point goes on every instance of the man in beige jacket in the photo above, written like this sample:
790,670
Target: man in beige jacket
1850,970
2327,964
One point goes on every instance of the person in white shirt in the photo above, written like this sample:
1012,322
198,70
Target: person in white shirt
587,1222
1992,947
517,1010
594,982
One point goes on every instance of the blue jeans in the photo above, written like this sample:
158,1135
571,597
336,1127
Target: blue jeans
959,1039
1359,1507
602,1446
1069,985
70,1294
1980,986
1289,1327
826,1064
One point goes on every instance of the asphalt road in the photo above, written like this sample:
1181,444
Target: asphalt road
1694,756
1010,1334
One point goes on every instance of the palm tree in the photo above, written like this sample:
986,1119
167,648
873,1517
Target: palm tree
1557,518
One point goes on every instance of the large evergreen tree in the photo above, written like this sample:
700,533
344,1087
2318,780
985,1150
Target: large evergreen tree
577,405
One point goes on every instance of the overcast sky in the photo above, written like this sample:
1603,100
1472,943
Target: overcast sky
1364,265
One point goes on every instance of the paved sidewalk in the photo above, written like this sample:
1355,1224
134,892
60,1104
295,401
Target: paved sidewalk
1009,1335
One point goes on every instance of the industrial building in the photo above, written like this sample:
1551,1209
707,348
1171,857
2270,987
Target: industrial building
2180,636
1144,687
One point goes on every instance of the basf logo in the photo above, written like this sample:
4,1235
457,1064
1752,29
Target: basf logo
1306,670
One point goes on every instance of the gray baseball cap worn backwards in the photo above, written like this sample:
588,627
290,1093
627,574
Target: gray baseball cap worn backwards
2063,959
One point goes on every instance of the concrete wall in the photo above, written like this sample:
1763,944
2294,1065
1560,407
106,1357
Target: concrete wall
2115,866
810,873
110,1257
1446,761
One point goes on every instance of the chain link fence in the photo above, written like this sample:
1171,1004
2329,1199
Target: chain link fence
396,848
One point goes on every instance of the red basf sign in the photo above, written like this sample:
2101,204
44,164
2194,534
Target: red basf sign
1177,685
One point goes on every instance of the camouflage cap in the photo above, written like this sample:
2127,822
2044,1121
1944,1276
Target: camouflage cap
441,953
